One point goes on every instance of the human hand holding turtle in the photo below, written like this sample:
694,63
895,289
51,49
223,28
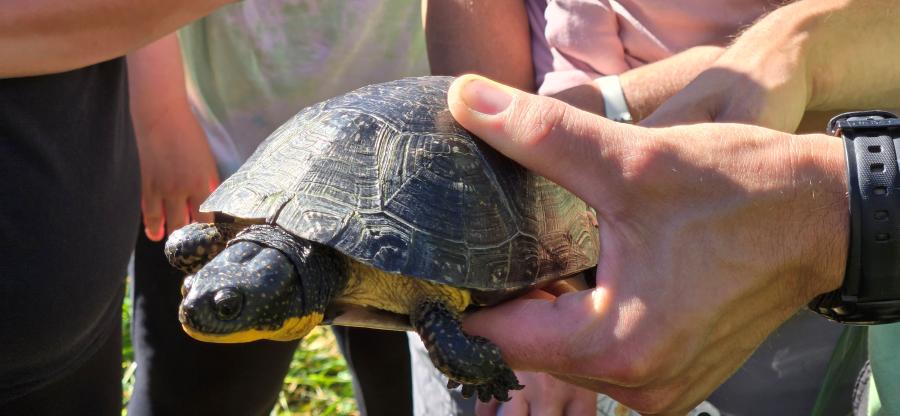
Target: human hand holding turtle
711,236
296,259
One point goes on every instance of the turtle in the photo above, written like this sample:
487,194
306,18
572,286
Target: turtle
377,209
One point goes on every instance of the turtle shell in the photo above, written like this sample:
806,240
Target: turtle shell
385,175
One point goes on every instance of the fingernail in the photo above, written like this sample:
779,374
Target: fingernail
485,97
154,235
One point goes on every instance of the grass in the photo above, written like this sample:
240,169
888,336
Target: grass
317,382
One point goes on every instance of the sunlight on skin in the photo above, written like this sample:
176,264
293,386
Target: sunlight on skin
600,300
630,313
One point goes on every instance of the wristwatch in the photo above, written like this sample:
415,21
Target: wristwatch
870,293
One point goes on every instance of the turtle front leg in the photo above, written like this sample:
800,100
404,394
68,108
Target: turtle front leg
470,361
192,246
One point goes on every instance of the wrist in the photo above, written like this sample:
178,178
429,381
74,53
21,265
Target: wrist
820,178
177,116
585,96
813,27
870,291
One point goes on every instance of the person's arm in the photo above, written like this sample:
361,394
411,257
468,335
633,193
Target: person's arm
711,235
490,38
45,36
646,87
178,170
809,56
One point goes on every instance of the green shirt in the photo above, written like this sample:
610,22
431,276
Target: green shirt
253,64
884,357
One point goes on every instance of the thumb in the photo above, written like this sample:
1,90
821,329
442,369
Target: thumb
581,151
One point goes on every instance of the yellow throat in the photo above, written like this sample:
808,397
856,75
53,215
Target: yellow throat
293,328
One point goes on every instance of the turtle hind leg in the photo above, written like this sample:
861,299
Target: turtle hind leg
192,246
470,361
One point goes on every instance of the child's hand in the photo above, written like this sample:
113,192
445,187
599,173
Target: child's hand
178,172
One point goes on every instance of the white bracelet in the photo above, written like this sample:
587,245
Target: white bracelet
614,99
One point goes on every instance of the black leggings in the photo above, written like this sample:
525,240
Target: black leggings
95,388
177,375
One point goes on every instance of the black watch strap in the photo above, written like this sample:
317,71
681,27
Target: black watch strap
870,293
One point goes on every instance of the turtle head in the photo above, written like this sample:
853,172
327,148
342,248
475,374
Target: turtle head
246,293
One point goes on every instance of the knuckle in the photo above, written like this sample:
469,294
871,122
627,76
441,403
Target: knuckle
537,120
646,160
166,186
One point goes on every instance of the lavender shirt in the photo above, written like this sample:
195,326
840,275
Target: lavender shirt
575,41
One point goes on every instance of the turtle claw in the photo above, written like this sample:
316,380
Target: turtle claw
502,397
470,361
497,389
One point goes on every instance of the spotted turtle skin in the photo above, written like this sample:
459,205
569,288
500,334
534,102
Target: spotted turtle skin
386,176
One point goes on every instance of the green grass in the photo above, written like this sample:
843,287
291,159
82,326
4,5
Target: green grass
317,382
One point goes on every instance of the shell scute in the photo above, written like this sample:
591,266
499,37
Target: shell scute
385,175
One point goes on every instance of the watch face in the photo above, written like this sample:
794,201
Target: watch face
863,120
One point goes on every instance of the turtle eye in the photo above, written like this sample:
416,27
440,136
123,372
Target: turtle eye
228,303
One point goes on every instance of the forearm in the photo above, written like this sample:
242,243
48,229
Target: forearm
648,86
487,37
845,47
44,36
156,84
